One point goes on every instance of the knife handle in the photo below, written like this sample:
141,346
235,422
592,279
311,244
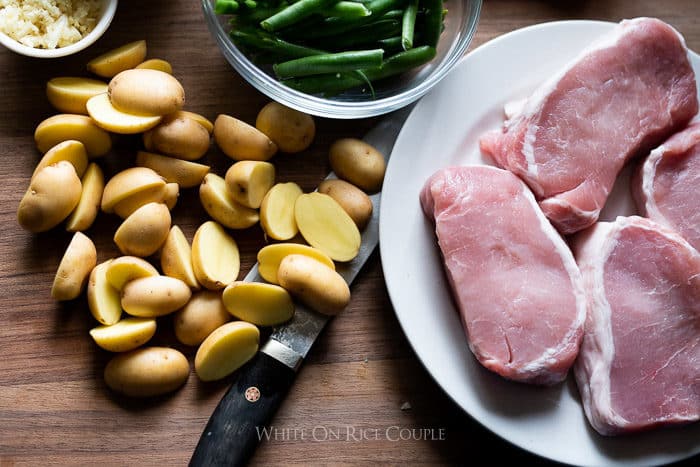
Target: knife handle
236,426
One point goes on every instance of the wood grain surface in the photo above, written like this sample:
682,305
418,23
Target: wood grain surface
362,375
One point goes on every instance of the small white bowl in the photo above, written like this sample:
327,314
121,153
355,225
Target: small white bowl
109,8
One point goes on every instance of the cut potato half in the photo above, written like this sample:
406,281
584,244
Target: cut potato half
156,64
72,151
72,275
127,183
147,372
122,58
277,211
144,231
126,335
201,119
86,211
153,296
220,205
111,119
69,95
258,303
127,268
270,257
215,256
226,349
146,92
103,299
200,317
63,127
241,141
249,181
187,174
176,258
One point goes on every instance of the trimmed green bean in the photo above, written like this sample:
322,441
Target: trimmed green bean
347,10
226,7
433,21
329,63
259,40
295,13
408,25
364,35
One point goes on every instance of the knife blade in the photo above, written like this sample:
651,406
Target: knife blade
236,426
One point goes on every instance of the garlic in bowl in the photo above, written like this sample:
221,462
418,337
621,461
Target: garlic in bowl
53,28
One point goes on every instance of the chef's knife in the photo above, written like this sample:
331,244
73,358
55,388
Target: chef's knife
236,426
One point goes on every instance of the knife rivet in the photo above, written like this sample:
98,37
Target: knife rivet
252,394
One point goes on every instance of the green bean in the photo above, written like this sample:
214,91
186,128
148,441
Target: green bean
364,35
226,7
408,25
347,10
390,44
259,40
433,22
295,13
329,63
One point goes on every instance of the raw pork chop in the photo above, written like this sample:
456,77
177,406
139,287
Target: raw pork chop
667,186
624,95
515,281
639,365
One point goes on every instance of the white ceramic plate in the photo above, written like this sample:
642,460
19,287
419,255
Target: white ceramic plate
443,130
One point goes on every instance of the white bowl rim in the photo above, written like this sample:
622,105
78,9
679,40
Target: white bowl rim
105,20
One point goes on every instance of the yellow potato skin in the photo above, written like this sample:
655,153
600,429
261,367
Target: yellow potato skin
127,268
226,349
112,119
156,64
204,313
103,299
144,231
152,194
277,211
128,334
292,131
176,258
217,200
122,58
72,151
52,195
241,141
179,137
201,119
258,303
357,162
63,127
249,181
317,285
215,256
74,269
147,372
153,296
146,92
187,174
70,95
127,183
353,200
171,195
270,257
87,208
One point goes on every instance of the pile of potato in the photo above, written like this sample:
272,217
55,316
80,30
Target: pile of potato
197,281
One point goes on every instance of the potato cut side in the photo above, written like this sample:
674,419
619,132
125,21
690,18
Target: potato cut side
187,174
153,296
103,299
86,211
200,317
63,127
270,257
277,211
111,119
147,372
215,257
220,205
144,231
314,283
156,64
176,258
201,119
258,303
249,181
72,151
326,226
52,195
241,141
70,95
126,335
153,194
226,349
127,268
122,58
72,275
128,183
171,195
146,92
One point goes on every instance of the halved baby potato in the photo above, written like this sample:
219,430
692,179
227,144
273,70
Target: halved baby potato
119,59
249,181
200,317
72,151
147,372
314,283
187,174
112,119
103,299
125,335
220,205
63,127
277,211
127,268
154,194
153,296
176,258
86,211
128,183
258,303
291,130
171,195
201,119
241,141
75,267
215,256
144,231
180,137
353,200
156,64
226,349
69,95
270,257
146,92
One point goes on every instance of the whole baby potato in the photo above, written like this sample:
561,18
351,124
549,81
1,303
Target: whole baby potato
179,137
358,163
353,200
292,131
52,195
200,317
146,92
146,372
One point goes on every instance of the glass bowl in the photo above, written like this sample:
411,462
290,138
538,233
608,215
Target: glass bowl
109,8
390,94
